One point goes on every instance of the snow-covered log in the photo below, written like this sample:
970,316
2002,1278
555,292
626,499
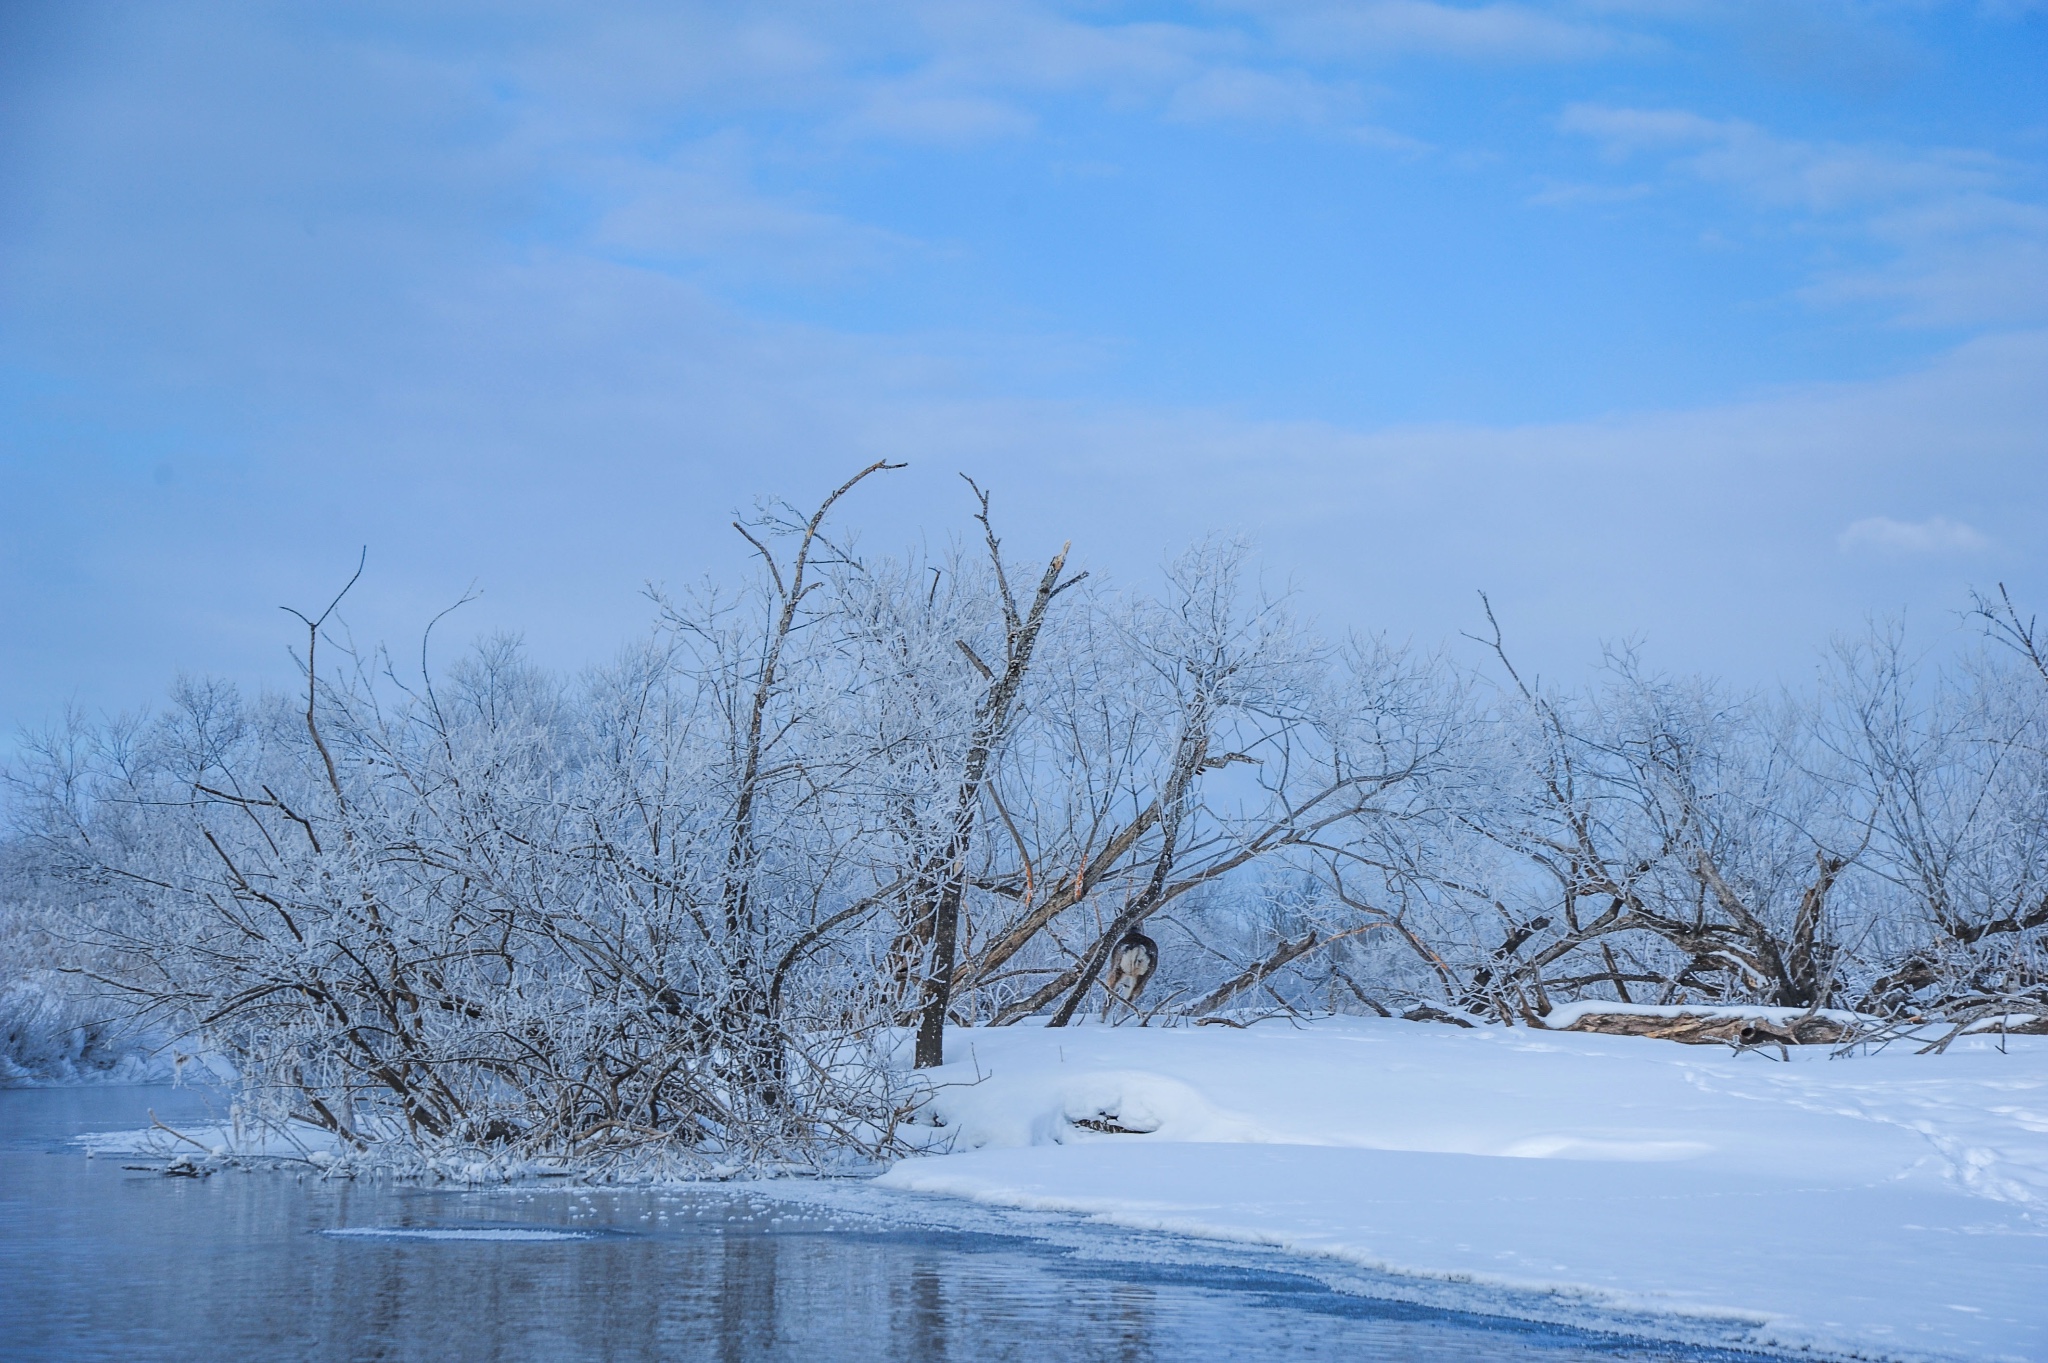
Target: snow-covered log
1705,1026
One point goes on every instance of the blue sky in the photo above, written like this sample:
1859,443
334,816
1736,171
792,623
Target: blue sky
1723,326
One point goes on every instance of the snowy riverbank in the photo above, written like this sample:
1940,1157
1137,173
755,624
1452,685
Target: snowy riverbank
49,1035
1891,1204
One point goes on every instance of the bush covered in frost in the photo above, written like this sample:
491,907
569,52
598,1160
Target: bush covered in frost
701,906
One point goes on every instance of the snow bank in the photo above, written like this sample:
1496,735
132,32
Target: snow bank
1894,1205
49,1036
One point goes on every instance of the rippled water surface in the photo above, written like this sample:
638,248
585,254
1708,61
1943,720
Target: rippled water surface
100,1262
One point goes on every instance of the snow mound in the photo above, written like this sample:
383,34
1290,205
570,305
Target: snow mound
1053,1104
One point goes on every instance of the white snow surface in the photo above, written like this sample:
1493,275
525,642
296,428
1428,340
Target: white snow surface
1888,1205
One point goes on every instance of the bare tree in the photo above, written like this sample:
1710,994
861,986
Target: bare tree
1953,766
1658,834
716,901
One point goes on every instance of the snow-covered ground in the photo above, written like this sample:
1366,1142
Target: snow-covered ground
1892,1205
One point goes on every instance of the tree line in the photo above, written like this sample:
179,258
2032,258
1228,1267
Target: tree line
718,899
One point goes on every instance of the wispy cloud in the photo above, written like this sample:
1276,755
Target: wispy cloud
1556,193
1245,94
1494,33
957,72
1935,535
1953,239
699,207
494,251
936,116
1226,92
1818,177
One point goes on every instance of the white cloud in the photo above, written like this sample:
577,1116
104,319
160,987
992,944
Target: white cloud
699,206
1249,95
1820,177
1226,92
1956,282
962,71
938,117
1496,32
1946,235
1936,535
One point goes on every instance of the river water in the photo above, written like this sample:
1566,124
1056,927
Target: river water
102,1262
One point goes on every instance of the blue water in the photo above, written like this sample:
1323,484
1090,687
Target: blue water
102,1262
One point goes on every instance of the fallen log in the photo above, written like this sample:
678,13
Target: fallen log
2012,1024
1707,1026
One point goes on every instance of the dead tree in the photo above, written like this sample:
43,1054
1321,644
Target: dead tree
943,879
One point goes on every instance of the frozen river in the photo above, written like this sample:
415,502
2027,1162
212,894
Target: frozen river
102,1262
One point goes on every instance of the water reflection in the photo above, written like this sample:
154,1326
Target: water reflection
101,1263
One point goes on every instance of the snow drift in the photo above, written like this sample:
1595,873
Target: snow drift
1888,1204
